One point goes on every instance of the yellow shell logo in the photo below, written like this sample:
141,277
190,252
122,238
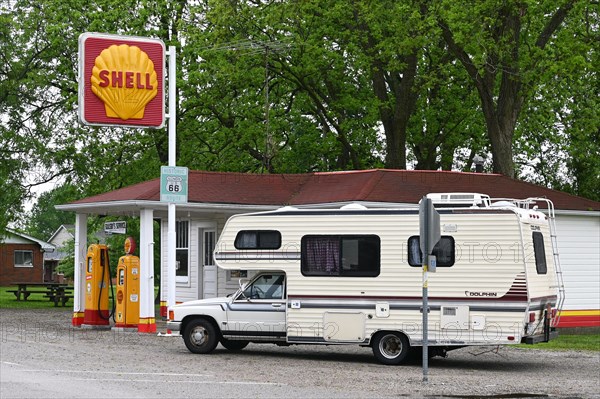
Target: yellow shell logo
124,79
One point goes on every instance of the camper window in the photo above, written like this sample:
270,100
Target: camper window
258,239
341,255
444,251
540,253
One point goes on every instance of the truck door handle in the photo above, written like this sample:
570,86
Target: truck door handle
276,305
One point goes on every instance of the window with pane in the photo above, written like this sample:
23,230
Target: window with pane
540,253
209,248
258,239
182,230
341,255
444,251
23,258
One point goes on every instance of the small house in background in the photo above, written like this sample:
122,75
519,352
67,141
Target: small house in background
22,258
59,240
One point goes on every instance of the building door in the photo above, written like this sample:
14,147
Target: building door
49,268
207,274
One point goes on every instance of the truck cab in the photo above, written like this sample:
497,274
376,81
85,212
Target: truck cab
256,312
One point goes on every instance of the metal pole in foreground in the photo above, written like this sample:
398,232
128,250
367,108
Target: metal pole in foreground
171,234
424,237
425,320
429,235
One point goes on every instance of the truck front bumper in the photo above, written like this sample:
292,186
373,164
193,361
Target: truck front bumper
174,325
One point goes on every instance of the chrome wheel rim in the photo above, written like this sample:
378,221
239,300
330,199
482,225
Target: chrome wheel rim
390,346
198,336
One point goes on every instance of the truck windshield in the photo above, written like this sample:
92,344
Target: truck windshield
267,286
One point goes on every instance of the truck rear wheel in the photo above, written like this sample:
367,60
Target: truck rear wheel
200,336
390,347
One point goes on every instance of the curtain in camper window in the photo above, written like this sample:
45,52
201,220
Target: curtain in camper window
246,240
322,255
258,239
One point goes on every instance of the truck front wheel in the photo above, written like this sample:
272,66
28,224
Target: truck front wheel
200,336
390,347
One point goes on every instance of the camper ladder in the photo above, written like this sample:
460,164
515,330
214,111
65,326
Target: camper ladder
554,241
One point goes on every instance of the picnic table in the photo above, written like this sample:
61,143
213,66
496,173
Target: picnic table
55,292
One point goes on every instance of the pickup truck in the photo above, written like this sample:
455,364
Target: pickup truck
255,313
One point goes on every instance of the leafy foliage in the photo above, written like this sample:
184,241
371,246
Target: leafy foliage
298,86
44,219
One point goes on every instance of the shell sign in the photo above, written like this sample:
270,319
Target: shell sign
121,81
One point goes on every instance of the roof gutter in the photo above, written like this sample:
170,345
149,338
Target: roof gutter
567,212
157,205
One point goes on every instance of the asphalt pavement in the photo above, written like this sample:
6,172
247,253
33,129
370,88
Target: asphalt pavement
43,356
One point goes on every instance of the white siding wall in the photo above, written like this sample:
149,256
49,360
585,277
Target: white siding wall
213,284
62,237
185,291
579,249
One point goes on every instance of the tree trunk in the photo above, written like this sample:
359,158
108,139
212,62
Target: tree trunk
502,152
395,120
395,138
396,94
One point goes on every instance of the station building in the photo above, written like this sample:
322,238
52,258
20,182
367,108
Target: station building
213,197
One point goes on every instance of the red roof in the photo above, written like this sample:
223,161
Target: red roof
405,186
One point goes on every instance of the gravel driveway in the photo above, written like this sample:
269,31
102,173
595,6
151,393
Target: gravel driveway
42,356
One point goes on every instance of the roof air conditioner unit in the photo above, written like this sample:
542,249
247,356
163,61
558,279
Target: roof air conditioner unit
459,199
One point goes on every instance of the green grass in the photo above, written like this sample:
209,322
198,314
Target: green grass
35,301
569,342
8,300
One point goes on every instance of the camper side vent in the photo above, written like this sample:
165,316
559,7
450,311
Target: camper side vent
454,317
449,311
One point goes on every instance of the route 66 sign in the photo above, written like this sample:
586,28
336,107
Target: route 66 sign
174,184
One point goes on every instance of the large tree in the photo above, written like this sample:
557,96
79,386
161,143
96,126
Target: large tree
289,97
503,45
297,86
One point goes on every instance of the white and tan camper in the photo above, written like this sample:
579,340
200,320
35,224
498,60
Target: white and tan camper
354,276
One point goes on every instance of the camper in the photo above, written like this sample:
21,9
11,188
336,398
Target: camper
354,276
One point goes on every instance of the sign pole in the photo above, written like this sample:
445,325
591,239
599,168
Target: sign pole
429,235
122,83
424,255
171,244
